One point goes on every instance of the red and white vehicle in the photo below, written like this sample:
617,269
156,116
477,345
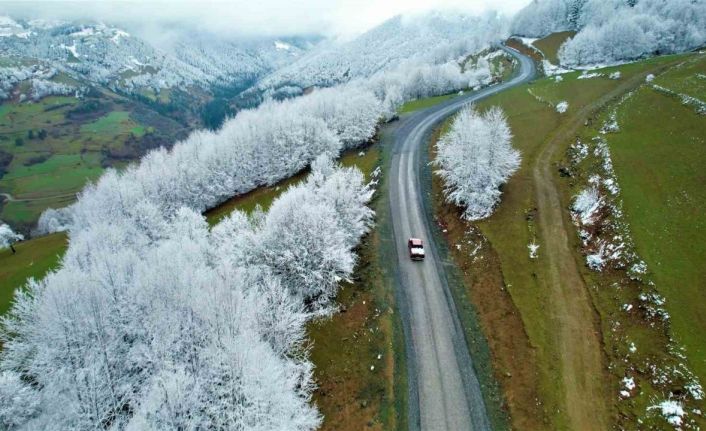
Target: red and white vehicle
416,249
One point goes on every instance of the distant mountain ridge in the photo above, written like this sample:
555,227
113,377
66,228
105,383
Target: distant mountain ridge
434,37
110,56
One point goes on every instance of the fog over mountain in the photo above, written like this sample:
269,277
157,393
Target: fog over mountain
156,20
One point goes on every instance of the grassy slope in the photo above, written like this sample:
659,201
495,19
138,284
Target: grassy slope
655,154
550,45
659,155
418,104
511,228
34,258
82,138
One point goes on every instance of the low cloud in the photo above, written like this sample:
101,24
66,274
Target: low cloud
239,18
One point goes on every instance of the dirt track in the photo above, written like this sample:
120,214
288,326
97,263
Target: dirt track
577,336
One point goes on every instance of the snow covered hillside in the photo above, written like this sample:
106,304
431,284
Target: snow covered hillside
111,56
432,38
616,30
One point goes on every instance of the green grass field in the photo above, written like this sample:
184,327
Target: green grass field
58,144
418,104
511,227
34,258
659,157
550,45
114,123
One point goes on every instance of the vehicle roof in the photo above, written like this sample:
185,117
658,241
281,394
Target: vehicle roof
415,241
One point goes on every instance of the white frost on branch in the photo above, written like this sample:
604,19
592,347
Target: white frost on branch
7,236
155,322
475,158
615,31
586,206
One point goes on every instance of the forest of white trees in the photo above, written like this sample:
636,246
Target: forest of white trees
475,158
259,146
616,30
155,322
10,76
432,38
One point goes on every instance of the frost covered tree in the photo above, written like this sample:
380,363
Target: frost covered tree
474,159
350,111
307,237
8,236
542,17
155,322
616,30
42,88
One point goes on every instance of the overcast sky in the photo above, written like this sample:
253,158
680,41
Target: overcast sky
251,17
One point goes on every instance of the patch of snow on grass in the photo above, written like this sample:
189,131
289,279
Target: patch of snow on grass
553,70
562,106
579,151
615,75
558,78
695,389
595,261
586,206
673,411
686,100
586,75
649,78
529,41
611,185
639,268
533,247
628,383
611,125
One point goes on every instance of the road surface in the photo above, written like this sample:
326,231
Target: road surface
444,391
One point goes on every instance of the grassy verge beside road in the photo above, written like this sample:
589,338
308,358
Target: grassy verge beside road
511,289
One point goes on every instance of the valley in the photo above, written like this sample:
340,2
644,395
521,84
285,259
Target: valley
205,225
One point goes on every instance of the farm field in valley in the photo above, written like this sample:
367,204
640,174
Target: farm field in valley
49,149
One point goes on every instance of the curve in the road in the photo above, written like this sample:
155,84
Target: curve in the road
445,393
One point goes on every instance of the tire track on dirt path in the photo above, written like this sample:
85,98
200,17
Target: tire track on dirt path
578,340
9,198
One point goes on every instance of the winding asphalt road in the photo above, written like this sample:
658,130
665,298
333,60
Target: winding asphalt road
444,391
